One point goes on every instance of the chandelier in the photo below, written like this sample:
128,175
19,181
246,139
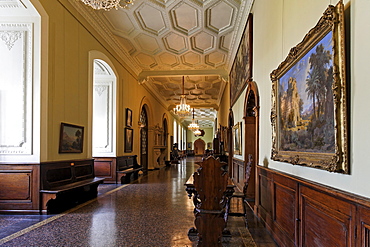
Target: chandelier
197,132
107,4
182,109
194,125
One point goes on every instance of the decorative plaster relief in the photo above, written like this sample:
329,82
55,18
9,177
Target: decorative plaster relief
16,85
10,37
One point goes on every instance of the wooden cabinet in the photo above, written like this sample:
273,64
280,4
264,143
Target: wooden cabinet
298,212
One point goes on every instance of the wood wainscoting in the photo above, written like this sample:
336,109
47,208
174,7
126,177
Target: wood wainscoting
111,168
238,173
106,168
298,212
19,188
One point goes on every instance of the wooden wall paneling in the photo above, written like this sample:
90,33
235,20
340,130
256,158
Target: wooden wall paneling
19,188
285,210
239,173
235,171
325,220
363,229
264,206
298,212
105,168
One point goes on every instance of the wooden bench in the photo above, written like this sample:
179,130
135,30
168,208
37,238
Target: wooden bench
65,184
127,168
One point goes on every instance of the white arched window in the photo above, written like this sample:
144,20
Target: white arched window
20,83
174,132
104,108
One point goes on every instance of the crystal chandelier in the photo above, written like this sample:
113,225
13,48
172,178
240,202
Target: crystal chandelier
107,4
194,125
182,109
197,132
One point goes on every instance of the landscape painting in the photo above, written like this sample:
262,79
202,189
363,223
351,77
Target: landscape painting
309,99
305,100
241,71
71,138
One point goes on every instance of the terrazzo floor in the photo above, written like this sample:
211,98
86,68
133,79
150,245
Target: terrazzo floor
152,211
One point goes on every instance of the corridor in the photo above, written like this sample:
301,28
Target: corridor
152,211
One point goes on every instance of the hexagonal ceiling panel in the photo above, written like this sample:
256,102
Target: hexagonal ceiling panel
161,40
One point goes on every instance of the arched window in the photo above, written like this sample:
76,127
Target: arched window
104,107
20,82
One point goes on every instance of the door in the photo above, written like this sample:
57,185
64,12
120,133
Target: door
199,147
144,139
251,134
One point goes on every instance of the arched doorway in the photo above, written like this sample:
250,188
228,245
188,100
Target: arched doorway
199,147
144,138
165,136
230,124
251,112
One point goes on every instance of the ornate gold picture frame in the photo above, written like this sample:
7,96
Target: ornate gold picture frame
237,135
241,71
309,99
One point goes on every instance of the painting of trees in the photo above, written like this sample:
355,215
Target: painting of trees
309,98
306,102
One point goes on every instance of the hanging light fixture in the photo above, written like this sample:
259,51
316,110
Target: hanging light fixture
194,125
107,4
197,132
182,109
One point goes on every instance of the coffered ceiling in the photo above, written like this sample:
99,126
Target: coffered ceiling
163,40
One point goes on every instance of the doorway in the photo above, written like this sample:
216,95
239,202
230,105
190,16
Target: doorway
199,147
251,111
144,138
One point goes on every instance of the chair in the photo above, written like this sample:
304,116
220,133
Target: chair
210,182
243,194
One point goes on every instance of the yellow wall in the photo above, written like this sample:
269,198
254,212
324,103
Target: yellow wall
223,111
208,136
70,41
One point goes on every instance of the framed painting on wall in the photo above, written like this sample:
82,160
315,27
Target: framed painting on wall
71,138
241,71
309,104
237,132
129,138
189,147
128,117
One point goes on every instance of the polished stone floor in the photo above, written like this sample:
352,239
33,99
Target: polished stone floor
152,211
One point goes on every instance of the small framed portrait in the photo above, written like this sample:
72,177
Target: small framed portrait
129,137
237,138
128,117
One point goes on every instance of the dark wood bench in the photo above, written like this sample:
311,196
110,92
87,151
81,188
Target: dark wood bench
127,169
65,184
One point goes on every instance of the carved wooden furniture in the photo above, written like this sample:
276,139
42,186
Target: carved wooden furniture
242,194
210,188
65,184
127,166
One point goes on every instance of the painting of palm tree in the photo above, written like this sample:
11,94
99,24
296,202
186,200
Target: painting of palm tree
306,119
309,98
